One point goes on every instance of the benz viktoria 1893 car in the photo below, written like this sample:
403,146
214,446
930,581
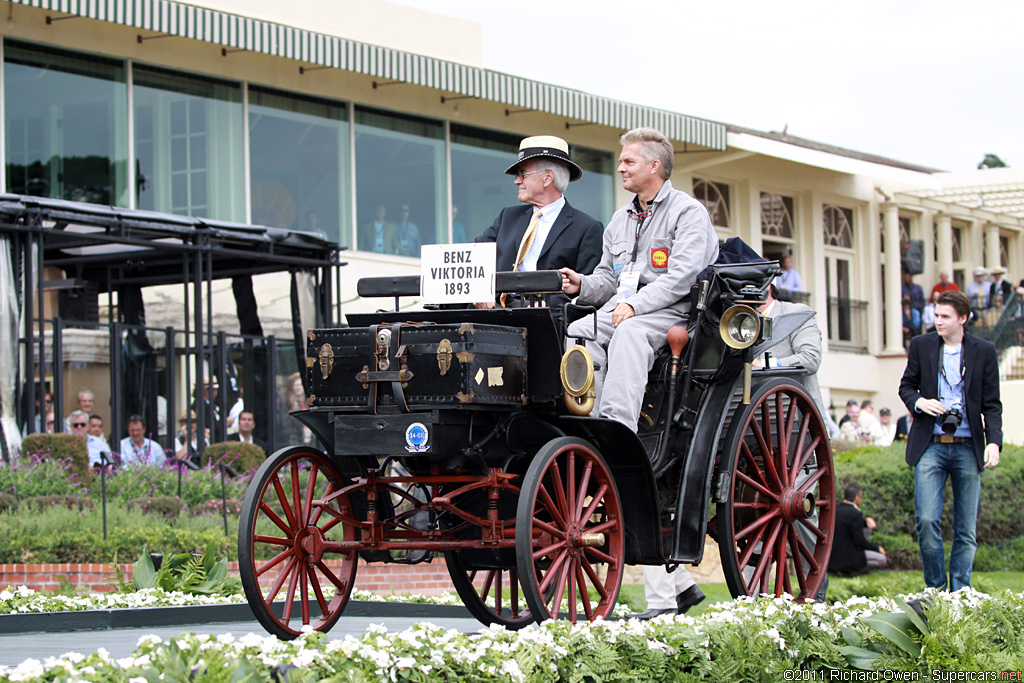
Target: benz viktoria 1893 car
465,436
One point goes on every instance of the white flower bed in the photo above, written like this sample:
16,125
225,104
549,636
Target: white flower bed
747,639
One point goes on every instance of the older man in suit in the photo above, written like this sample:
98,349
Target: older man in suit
546,232
951,370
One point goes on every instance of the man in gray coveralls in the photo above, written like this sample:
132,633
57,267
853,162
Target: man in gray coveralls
654,248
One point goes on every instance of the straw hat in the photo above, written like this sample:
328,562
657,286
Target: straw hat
549,147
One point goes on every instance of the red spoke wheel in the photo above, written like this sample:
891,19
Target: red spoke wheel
775,527
492,595
570,533
281,543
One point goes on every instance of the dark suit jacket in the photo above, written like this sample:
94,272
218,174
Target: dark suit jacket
981,379
255,441
849,542
574,241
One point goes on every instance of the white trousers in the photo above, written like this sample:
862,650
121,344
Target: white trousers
661,586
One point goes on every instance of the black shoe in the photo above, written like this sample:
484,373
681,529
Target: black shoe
688,598
651,613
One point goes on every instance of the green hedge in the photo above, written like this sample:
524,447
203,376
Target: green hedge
241,456
888,484
61,447
121,545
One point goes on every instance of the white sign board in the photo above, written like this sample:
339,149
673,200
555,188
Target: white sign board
457,273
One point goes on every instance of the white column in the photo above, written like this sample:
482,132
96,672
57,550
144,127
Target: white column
893,290
749,196
810,239
991,245
944,241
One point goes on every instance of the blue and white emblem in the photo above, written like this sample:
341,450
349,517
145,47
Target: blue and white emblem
417,436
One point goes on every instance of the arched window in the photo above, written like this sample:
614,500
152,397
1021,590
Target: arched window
715,198
838,224
776,215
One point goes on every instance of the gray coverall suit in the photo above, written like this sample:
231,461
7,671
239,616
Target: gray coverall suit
676,241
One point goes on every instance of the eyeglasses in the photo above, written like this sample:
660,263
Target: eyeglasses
522,174
78,424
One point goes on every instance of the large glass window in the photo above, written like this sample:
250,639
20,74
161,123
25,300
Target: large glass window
400,164
715,198
480,188
594,193
298,161
188,144
66,125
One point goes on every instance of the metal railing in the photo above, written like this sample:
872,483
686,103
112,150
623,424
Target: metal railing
847,325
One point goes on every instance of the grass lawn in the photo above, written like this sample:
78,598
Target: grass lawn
870,585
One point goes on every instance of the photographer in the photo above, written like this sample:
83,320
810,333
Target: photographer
950,385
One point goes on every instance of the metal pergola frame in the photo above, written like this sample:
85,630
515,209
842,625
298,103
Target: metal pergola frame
114,247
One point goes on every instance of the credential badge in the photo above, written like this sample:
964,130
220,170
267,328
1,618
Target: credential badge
416,438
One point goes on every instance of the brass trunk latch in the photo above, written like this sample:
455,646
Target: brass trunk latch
326,357
383,347
444,356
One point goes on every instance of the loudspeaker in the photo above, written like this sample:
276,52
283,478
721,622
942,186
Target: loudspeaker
912,257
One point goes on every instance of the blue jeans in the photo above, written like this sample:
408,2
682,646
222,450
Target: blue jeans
939,462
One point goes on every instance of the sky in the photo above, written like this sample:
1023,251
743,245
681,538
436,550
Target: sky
937,83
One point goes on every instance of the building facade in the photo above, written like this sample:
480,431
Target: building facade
311,117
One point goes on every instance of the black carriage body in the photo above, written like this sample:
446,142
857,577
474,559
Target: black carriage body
405,366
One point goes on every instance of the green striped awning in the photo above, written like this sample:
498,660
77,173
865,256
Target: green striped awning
233,31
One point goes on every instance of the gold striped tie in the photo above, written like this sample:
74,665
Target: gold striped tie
524,247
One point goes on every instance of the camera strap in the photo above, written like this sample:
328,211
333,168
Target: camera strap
942,367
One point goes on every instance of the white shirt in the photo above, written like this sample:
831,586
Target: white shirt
96,445
233,414
148,453
548,216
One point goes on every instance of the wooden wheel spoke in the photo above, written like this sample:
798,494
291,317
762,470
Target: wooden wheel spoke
784,423
751,546
282,497
553,571
814,528
276,560
800,460
581,496
265,509
549,505
570,466
485,590
761,571
588,609
317,591
812,480
749,457
282,577
272,540
331,576
544,526
763,442
764,427
781,566
604,557
497,591
290,595
595,580
760,522
544,552
561,573
315,517
513,591
798,550
559,487
307,507
570,576
754,484
297,495
751,506
596,501
304,593
805,456
609,525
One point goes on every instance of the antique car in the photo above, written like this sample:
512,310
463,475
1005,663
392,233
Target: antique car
466,434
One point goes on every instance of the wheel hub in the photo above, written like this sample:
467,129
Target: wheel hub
797,505
309,544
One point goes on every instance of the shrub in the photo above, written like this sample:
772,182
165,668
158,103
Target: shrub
39,474
165,506
215,507
39,503
8,502
61,447
240,456
197,486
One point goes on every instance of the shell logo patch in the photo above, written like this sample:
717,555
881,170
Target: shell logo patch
659,257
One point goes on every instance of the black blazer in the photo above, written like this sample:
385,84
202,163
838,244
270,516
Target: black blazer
981,378
574,241
255,441
849,542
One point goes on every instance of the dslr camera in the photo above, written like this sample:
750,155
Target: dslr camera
951,419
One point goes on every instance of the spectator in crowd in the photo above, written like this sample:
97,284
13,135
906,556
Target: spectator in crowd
136,449
943,285
928,316
85,402
850,405
50,422
96,427
407,234
999,287
911,322
888,428
41,411
186,448
978,290
458,229
867,413
788,281
246,425
378,235
79,421
292,397
207,402
862,427
852,552
948,370
903,427
236,409
913,291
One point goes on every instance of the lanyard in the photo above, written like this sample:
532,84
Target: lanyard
942,368
640,217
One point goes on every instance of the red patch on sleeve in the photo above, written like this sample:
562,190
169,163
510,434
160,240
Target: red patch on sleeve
659,257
